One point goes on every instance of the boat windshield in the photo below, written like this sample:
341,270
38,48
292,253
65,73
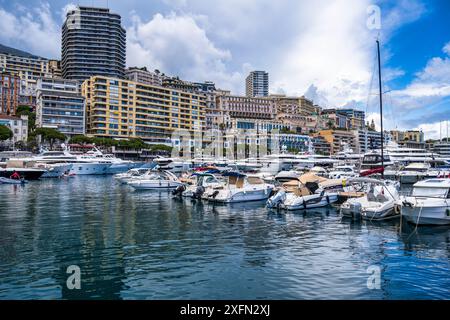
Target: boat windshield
430,192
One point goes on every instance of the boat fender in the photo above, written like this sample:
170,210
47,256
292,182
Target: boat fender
278,206
214,194
304,204
328,199
447,212
407,204
397,209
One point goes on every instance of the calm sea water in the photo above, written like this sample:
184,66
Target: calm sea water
146,245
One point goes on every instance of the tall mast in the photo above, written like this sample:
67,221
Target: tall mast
381,108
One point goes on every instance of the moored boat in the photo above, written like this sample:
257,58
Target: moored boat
242,188
429,203
377,204
156,181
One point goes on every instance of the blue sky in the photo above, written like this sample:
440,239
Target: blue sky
321,48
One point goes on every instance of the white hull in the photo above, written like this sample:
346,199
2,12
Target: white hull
410,178
116,168
378,215
57,171
294,202
379,212
232,196
428,215
154,184
89,168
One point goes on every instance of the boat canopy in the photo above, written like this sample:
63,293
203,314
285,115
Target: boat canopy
366,180
311,177
233,174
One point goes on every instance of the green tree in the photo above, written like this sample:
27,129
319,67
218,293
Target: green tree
80,139
286,130
50,135
330,124
27,111
20,145
132,144
5,133
161,147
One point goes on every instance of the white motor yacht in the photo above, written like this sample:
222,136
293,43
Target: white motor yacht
407,156
319,171
156,181
285,176
413,172
242,188
81,165
310,191
173,164
341,172
377,204
131,174
429,203
56,170
117,165
203,181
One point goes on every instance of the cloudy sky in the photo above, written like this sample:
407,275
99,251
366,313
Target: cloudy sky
323,49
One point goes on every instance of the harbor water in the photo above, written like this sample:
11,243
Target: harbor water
148,245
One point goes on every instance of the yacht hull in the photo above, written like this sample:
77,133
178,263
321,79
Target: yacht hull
439,215
89,168
154,185
410,178
309,202
27,174
379,215
228,196
57,171
116,168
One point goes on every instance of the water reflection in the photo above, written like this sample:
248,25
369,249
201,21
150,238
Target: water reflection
148,245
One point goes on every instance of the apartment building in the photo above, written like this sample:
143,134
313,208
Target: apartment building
28,67
9,93
18,126
93,43
337,139
119,108
59,105
257,84
142,75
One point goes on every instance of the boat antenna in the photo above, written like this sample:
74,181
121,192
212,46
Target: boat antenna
381,109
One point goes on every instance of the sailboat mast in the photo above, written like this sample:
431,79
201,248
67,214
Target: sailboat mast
381,108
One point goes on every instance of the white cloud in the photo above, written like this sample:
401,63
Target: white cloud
34,29
330,50
176,3
404,11
447,49
434,130
68,7
429,86
177,45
